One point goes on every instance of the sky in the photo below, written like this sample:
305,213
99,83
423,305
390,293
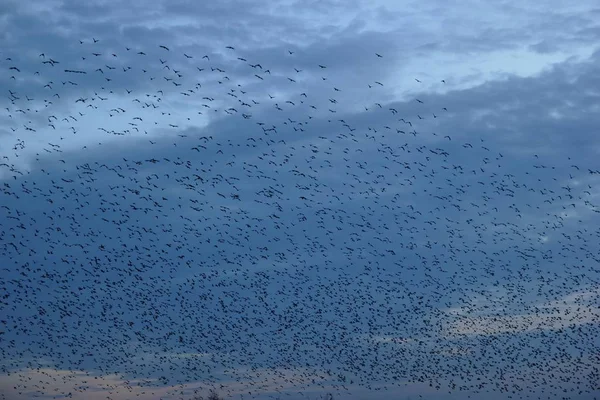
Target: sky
374,199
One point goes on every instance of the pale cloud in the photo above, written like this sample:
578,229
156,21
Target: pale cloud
47,382
257,382
575,309
391,339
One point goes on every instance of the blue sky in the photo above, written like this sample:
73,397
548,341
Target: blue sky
374,199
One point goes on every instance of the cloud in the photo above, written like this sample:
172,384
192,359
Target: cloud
55,383
577,308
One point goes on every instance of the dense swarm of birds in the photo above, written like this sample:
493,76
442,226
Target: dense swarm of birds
277,239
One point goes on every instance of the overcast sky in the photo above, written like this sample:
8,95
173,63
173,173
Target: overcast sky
377,199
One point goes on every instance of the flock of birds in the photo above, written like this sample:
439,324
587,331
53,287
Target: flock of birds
270,231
